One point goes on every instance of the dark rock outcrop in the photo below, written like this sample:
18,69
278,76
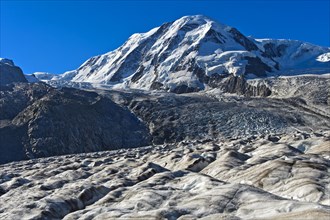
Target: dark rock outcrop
271,50
244,41
257,67
16,97
55,122
238,85
184,89
9,73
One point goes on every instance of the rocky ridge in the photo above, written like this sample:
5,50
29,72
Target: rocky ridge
9,73
39,121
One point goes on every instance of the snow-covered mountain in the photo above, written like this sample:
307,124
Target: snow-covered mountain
195,52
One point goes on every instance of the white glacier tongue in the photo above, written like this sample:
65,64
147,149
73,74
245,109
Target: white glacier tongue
44,76
195,52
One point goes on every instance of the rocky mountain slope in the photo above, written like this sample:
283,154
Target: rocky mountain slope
194,53
214,115
38,121
9,73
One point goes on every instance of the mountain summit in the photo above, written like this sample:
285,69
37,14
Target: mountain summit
195,52
9,73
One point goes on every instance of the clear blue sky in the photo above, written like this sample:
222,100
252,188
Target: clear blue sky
56,36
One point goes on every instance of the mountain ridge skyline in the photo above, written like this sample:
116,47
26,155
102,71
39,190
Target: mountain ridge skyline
191,54
169,22
39,40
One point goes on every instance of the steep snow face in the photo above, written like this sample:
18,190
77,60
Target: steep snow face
193,53
57,80
44,76
292,54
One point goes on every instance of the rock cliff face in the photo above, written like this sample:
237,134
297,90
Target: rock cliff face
9,73
40,121
240,86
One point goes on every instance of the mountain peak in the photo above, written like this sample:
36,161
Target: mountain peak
193,53
200,20
9,73
7,61
197,19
